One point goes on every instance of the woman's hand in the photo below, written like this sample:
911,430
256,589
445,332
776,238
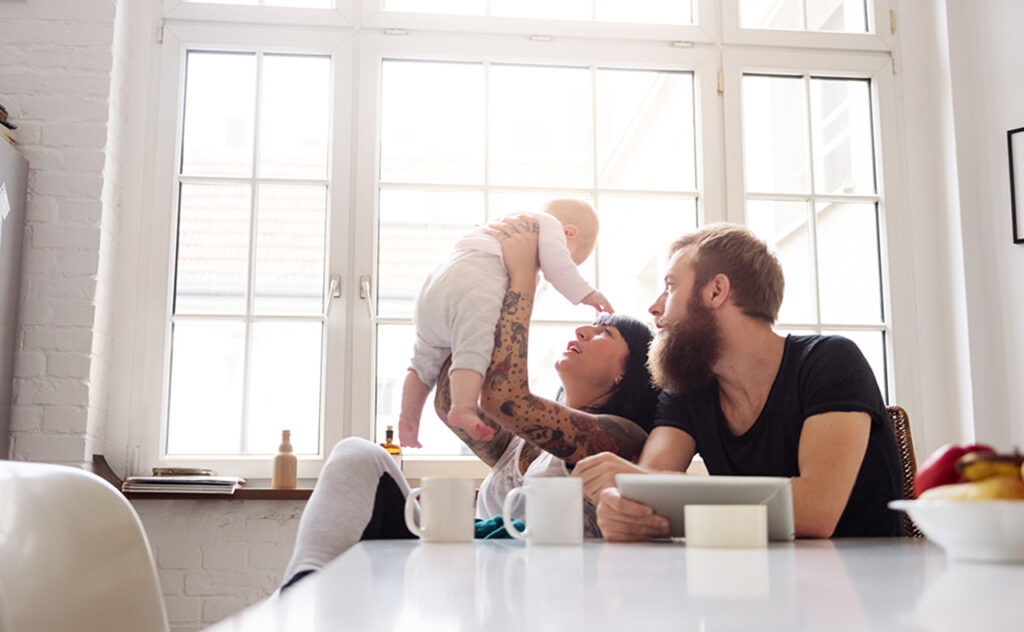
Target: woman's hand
518,237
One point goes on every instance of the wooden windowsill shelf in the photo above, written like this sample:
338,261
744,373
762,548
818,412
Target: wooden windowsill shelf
254,489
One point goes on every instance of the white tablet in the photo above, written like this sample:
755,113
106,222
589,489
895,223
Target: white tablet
669,494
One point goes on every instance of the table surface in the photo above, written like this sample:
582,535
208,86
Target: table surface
493,585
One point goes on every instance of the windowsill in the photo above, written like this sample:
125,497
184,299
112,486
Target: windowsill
254,489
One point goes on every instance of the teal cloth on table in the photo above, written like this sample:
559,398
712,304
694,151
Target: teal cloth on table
494,528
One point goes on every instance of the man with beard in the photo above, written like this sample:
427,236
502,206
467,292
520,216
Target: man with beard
752,402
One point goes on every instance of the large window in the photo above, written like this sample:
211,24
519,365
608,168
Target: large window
326,157
464,142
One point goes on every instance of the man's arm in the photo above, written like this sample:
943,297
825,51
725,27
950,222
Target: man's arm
622,520
832,447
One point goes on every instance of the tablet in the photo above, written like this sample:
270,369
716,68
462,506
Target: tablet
668,495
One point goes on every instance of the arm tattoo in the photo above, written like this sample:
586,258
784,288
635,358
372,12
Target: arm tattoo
511,304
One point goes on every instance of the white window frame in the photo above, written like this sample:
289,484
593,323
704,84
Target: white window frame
154,372
358,35
878,38
876,67
705,14
373,49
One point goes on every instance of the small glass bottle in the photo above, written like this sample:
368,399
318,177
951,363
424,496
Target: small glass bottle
389,444
285,464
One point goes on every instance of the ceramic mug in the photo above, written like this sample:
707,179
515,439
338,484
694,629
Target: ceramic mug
554,510
446,510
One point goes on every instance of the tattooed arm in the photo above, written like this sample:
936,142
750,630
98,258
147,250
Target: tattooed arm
488,451
564,432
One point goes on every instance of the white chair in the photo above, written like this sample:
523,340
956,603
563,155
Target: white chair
73,555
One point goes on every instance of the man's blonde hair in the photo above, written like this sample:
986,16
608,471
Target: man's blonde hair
755,274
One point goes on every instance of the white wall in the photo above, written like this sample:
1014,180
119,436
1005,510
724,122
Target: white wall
986,58
216,557
938,327
55,63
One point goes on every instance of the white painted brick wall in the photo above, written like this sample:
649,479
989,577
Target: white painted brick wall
217,557
56,79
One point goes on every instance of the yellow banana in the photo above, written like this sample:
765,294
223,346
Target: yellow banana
992,488
978,466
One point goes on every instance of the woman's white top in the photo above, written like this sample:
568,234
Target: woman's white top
505,476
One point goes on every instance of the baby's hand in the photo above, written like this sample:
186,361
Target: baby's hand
598,301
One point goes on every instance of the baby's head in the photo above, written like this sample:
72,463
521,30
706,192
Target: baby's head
579,223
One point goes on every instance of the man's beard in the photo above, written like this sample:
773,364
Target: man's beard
682,354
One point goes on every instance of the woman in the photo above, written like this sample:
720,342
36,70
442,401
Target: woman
606,404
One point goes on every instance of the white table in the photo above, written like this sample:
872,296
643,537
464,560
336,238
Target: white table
494,586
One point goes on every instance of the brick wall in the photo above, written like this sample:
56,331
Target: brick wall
56,61
217,557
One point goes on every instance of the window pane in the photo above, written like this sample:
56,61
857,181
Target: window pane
417,232
548,303
205,414
770,14
848,263
849,16
294,129
636,232
783,225
456,7
543,9
213,249
645,11
316,4
220,91
547,344
394,350
284,386
290,249
645,129
872,345
775,135
843,142
541,126
432,122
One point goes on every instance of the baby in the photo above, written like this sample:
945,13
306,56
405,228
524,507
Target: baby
458,308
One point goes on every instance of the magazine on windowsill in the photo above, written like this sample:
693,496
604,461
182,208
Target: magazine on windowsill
202,484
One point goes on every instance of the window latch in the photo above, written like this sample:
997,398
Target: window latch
366,293
333,292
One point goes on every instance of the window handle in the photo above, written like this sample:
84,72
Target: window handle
366,293
333,292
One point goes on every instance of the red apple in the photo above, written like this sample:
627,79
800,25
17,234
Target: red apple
940,468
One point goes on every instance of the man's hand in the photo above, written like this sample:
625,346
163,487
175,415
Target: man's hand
623,520
598,473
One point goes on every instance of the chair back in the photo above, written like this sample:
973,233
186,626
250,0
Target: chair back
901,428
73,554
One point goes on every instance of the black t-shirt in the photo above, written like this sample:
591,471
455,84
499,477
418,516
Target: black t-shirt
818,374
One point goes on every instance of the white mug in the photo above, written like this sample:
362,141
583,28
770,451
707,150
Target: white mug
554,511
446,510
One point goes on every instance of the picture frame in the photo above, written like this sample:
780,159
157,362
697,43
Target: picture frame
1015,148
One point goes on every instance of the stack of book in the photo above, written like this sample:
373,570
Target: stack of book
169,480
6,127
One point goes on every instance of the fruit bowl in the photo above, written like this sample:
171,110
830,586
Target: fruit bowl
975,530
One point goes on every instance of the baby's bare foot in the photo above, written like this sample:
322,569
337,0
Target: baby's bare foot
467,419
408,433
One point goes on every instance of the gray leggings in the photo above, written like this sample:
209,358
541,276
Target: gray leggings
360,496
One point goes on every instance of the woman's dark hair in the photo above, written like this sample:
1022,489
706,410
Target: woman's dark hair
634,398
